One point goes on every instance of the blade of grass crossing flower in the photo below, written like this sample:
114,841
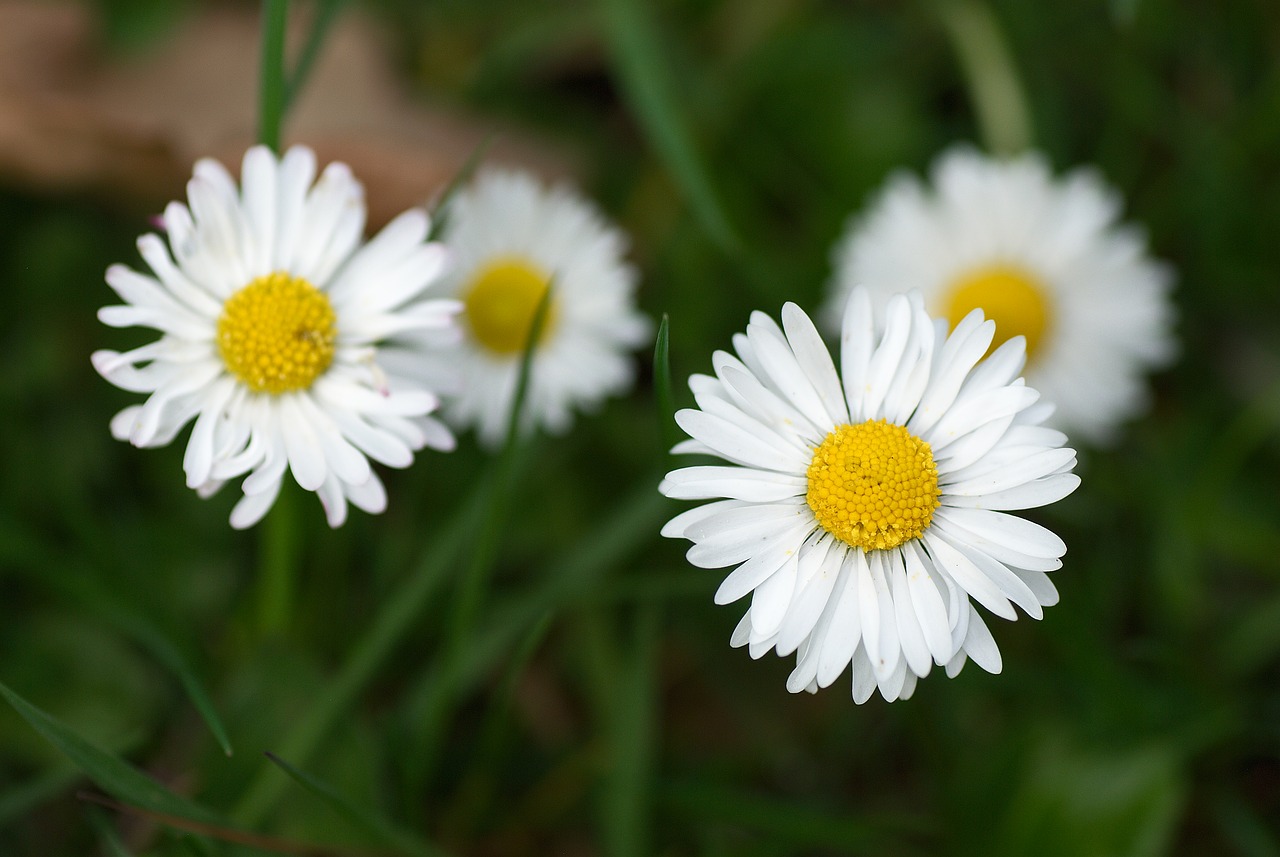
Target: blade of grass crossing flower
360,819
271,82
642,72
440,206
485,551
998,100
662,383
326,13
632,739
108,771
393,621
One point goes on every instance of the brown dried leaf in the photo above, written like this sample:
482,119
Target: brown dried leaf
131,127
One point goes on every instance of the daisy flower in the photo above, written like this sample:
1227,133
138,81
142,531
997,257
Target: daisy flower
1044,258
271,312
511,239
866,511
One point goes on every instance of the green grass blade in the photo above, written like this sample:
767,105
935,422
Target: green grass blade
662,383
109,772
632,740
440,207
576,577
642,73
105,605
485,552
362,820
111,844
150,638
321,24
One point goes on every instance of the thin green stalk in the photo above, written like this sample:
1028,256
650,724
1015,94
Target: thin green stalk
1001,107
278,565
440,206
325,15
271,92
644,75
662,383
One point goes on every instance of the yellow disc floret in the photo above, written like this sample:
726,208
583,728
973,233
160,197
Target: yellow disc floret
873,485
1016,300
277,334
501,301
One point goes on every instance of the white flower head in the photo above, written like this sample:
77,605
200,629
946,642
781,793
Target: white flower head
511,238
1043,258
864,509
272,313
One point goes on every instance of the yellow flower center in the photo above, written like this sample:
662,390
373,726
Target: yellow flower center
873,485
277,334
501,301
1014,298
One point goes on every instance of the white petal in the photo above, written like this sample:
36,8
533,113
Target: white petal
768,554
843,629
739,483
981,646
762,449
970,578
772,598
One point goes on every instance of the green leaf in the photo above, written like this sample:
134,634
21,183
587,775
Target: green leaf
643,75
109,772
361,819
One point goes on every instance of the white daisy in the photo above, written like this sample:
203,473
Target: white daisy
271,313
1044,258
863,514
510,238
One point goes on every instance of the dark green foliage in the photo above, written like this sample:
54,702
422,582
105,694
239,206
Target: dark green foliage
593,704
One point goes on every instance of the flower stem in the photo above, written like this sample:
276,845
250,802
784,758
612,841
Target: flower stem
271,92
988,68
278,565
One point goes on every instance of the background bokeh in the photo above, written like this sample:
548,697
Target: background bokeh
600,709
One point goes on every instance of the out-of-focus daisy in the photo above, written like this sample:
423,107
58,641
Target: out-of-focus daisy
864,509
271,312
510,240
1044,258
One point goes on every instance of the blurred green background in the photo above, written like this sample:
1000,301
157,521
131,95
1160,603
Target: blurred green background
594,707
